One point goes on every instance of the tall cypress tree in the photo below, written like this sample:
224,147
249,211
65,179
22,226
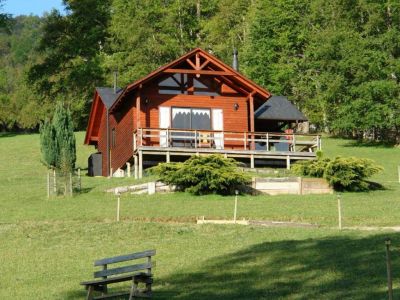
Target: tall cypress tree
57,139
65,138
48,144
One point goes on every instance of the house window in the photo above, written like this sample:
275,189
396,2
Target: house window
113,138
191,118
183,84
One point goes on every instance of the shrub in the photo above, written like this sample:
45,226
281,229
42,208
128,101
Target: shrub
342,173
350,173
203,175
313,168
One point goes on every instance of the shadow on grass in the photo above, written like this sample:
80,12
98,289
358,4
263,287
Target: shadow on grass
357,143
329,268
8,134
84,190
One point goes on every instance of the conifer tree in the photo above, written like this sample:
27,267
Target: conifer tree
58,141
65,138
48,144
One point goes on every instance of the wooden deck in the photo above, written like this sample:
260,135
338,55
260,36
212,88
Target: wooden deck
251,146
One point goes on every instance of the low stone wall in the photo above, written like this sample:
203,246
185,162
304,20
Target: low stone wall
144,188
270,186
291,185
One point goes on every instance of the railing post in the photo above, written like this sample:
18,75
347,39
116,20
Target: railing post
245,140
318,142
294,143
134,142
141,136
167,137
267,141
195,139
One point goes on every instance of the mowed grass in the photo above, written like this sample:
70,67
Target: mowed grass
47,245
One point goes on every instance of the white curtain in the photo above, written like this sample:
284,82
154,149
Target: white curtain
165,121
218,124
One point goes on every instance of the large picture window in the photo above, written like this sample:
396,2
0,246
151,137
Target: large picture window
191,118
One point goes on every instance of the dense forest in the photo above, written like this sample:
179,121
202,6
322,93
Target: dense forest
338,60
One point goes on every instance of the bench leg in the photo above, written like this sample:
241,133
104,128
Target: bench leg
134,289
148,289
105,290
90,293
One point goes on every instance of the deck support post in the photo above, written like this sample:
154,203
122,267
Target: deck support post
140,164
252,161
128,169
168,157
288,162
136,166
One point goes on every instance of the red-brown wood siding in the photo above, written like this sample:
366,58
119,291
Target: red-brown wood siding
122,121
102,143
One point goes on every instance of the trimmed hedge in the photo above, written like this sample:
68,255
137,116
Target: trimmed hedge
203,175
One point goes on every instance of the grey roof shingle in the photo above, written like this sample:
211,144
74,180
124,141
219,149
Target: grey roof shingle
279,108
108,96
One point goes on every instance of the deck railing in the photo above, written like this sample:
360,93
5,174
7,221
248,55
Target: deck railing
220,140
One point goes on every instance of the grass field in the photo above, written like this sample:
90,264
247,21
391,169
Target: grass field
47,245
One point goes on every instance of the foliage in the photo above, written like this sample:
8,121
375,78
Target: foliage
343,173
20,108
58,141
337,60
69,47
48,144
313,168
203,175
350,173
4,19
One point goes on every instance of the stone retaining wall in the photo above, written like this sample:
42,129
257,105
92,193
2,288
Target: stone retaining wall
291,185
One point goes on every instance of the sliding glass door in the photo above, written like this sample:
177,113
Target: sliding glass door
189,118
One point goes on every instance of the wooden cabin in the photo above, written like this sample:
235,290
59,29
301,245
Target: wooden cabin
194,105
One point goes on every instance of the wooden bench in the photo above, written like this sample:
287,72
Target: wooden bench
132,273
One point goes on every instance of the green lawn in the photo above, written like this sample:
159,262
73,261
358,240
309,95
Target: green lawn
47,245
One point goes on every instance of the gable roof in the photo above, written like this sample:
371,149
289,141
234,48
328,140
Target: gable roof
108,96
234,75
279,108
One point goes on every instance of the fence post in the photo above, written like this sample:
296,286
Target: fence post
398,171
389,269
118,205
235,210
48,184
339,211
79,179
70,184
54,182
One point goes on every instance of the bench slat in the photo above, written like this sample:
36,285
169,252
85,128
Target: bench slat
116,259
140,277
121,270
112,295
108,280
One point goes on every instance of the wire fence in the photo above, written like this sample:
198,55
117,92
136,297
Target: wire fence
61,183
